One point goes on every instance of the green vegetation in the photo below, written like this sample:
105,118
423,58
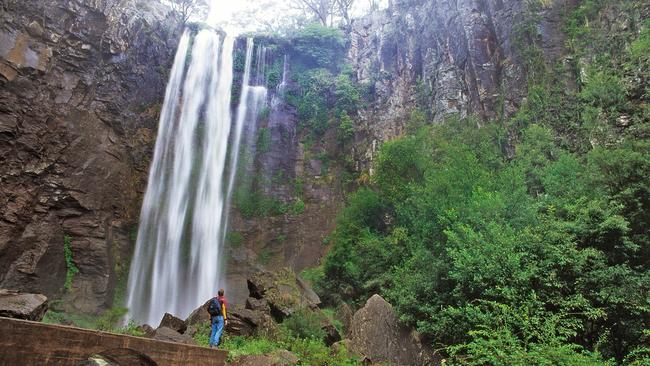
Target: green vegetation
239,61
525,242
254,203
305,324
234,238
323,98
109,321
265,255
69,263
264,140
274,74
300,334
264,113
298,207
319,46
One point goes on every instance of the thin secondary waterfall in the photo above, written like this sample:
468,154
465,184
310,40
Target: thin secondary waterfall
175,265
281,88
246,111
260,75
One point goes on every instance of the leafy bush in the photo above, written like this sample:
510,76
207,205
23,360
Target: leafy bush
346,127
239,346
298,207
304,324
256,204
309,350
449,223
264,113
203,332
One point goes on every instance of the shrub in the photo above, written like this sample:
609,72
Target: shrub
234,238
69,262
305,324
346,127
298,207
320,46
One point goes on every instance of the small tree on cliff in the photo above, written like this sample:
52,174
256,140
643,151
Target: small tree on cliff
185,9
321,10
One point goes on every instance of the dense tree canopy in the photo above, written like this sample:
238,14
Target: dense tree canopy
537,257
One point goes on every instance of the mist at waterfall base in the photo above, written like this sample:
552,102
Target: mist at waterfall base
178,259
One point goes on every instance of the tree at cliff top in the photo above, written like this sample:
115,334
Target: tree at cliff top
536,257
187,9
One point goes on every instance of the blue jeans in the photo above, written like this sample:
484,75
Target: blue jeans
217,329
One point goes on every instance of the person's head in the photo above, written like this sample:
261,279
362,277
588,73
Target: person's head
220,293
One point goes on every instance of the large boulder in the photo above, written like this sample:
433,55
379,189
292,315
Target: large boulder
199,315
241,321
22,305
173,322
377,335
170,335
258,305
344,313
147,330
284,291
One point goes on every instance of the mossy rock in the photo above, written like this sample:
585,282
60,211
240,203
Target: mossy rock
284,291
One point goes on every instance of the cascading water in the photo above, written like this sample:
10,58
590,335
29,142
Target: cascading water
246,111
176,264
260,75
282,87
175,261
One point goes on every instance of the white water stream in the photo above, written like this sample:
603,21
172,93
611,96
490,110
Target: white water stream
177,264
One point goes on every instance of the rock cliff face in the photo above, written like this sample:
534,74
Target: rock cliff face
80,86
445,57
293,239
441,57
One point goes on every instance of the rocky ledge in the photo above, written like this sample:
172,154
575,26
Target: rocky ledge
22,305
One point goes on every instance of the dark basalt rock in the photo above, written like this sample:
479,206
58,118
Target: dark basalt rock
377,335
81,83
173,322
258,305
170,335
22,306
283,291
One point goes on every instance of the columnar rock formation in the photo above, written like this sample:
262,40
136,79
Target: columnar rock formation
80,87
445,56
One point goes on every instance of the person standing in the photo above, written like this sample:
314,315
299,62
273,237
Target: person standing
218,317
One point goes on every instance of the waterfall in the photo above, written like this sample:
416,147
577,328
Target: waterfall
175,263
283,85
281,88
260,75
247,110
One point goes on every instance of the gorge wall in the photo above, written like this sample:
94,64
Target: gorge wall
438,57
80,87
456,57
81,83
